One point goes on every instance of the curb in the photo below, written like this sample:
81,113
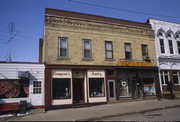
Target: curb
127,113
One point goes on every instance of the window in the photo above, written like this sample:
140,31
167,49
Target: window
164,76
145,54
108,50
63,47
14,88
61,88
96,87
162,45
37,87
128,53
176,77
178,46
87,48
170,47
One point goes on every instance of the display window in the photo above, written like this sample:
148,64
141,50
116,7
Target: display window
96,87
14,88
61,88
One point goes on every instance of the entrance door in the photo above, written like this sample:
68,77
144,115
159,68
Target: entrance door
134,90
78,90
123,88
111,88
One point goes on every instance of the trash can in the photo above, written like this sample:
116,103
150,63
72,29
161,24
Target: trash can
23,107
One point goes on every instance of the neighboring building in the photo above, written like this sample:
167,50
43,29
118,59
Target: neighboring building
21,81
94,59
167,39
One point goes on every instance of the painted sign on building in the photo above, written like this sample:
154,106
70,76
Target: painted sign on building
134,63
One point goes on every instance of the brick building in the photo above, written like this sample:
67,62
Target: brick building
93,59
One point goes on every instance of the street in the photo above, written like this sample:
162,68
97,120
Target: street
171,114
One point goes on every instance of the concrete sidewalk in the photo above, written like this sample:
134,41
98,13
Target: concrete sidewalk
100,111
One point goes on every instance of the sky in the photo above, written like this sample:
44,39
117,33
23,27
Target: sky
27,17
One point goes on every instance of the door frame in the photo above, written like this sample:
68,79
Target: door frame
114,91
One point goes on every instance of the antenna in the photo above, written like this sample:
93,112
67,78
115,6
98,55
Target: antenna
9,58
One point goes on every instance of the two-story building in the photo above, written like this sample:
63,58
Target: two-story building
94,59
167,40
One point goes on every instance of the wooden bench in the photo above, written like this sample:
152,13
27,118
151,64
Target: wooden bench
5,107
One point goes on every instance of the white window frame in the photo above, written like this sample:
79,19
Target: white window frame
87,49
163,74
106,50
37,89
60,47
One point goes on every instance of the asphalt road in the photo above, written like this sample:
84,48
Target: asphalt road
171,114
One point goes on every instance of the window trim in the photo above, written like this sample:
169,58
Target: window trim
110,42
63,57
84,49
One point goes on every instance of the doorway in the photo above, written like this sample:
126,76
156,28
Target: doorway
78,90
111,88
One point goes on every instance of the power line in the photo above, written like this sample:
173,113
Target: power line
124,10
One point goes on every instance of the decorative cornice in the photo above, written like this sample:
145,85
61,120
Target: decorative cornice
69,22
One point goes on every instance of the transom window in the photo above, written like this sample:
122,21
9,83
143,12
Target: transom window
108,49
37,87
63,47
86,48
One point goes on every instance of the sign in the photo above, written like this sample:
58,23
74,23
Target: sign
61,73
96,73
134,63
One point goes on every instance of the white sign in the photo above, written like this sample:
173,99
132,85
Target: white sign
61,74
96,73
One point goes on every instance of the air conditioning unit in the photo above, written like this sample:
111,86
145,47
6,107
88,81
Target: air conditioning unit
146,58
23,74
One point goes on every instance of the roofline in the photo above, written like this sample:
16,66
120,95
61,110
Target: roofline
65,13
163,21
14,62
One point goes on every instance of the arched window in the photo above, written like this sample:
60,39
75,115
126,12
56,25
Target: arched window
161,36
177,36
169,36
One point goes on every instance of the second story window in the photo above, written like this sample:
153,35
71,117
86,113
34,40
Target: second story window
178,46
161,41
86,48
128,52
63,47
170,47
145,54
108,49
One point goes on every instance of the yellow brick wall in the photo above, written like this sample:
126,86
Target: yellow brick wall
76,33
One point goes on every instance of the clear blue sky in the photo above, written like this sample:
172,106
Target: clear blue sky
28,18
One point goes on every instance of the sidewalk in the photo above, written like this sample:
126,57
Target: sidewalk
101,111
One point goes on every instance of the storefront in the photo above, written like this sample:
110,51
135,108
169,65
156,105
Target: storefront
74,86
137,79
21,82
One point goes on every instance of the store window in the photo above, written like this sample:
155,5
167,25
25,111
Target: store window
96,87
128,52
37,87
170,47
161,41
14,88
149,86
176,77
86,48
61,88
63,47
164,76
108,49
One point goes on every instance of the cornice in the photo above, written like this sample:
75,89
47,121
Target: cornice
69,22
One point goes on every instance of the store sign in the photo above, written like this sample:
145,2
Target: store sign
96,73
133,63
61,74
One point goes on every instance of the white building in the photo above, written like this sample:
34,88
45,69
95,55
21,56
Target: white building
21,81
167,39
